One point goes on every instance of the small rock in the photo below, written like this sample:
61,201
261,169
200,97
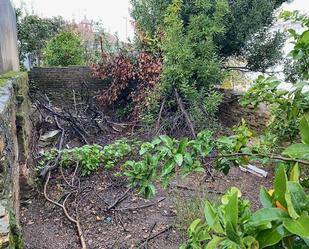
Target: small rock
128,237
30,222
4,225
4,241
2,211
98,218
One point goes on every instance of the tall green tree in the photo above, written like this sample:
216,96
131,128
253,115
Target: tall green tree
33,34
246,27
65,49
191,65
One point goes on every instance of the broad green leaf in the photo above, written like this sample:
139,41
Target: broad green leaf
193,226
304,129
226,197
167,140
212,218
156,141
168,167
291,205
203,234
299,199
295,173
182,146
297,151
145,148
266,215
300,226
148,191
265,198
214,243
293,33
178,159
280,185
188,159
231,218
271,236
304,38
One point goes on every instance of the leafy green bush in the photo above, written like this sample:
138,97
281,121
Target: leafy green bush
163,156
64,49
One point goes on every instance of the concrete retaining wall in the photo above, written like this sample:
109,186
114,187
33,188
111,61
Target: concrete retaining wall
8,38
14,143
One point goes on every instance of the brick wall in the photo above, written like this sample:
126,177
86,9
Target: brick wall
60,81
231,112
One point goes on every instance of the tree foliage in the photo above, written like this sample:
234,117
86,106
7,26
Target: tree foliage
190,62
299,55
64,49
33,34
287,105
244,20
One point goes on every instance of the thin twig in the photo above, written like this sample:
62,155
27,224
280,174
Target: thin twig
120,199
159,117
145,244
62,206
74,173
154,236
140,207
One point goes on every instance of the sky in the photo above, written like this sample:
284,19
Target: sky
113,13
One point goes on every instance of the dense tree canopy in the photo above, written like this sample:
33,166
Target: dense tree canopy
244,20
65,49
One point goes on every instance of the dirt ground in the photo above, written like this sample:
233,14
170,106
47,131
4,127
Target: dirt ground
131,222
45,227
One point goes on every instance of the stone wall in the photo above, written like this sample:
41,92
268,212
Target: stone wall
231,112
61,81
8,38
14,144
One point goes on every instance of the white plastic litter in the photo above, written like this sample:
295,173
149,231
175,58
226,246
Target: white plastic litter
254,170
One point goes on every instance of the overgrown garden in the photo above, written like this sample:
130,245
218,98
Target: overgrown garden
166,86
